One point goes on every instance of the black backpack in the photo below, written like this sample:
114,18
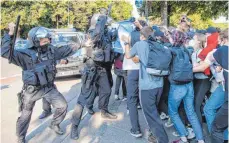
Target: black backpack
159,59
181,67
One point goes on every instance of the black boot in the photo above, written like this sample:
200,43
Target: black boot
90,111
106,114
45,114
21,140
152,138
74,132
57,129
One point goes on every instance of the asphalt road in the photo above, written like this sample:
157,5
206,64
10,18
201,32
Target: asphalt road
93,128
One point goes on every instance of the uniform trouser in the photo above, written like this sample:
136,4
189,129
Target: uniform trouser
149,100
46,106
53,96
133,98
87,96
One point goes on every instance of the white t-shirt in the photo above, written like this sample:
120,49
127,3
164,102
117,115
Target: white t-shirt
128,64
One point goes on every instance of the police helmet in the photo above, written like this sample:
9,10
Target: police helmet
36,34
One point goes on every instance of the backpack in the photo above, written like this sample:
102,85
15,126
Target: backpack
159,59
181,67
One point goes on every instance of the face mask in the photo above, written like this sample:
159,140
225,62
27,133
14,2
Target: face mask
191,43
44,48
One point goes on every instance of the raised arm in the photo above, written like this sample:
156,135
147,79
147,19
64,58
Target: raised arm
65,51
6,43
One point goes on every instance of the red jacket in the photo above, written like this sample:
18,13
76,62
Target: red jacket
212,42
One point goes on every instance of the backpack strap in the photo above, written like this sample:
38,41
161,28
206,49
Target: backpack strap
186,51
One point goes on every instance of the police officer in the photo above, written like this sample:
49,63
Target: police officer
38,62
46,106
96,76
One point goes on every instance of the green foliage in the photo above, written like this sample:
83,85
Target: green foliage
54,14
201,12
206,9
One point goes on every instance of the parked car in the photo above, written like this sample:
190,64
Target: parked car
75,62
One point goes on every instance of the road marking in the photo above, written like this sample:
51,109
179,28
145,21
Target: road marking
16,75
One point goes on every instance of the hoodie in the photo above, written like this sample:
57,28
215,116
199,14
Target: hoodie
212,42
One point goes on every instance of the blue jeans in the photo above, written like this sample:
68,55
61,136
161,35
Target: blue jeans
215,101
185,93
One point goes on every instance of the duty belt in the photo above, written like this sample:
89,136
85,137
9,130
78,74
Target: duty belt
32,88
101,69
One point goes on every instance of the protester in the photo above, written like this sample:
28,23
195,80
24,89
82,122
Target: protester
202,82
181,88
220,56
132,66
151,88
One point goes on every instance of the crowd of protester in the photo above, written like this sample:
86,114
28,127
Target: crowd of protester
185,105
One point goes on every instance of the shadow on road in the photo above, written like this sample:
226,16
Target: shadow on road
67,78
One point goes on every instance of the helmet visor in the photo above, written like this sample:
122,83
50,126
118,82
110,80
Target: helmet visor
43,33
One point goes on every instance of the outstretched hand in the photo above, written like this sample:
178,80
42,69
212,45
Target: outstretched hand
11,27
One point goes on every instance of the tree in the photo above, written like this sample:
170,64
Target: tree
58,14
206,9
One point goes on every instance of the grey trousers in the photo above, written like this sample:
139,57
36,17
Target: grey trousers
101,87
52,96
46,106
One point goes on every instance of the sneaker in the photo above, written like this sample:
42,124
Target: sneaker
152,139
169,123
191,133
139,106
127,112
200,141
179,141
190,129
108,115
163,116
74,132
175,134
184,139
124,99
90,111
136,134
116,97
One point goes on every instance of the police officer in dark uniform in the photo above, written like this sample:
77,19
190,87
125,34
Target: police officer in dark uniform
46,106
96,76
38,62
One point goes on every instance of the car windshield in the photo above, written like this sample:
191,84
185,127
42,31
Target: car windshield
65,38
